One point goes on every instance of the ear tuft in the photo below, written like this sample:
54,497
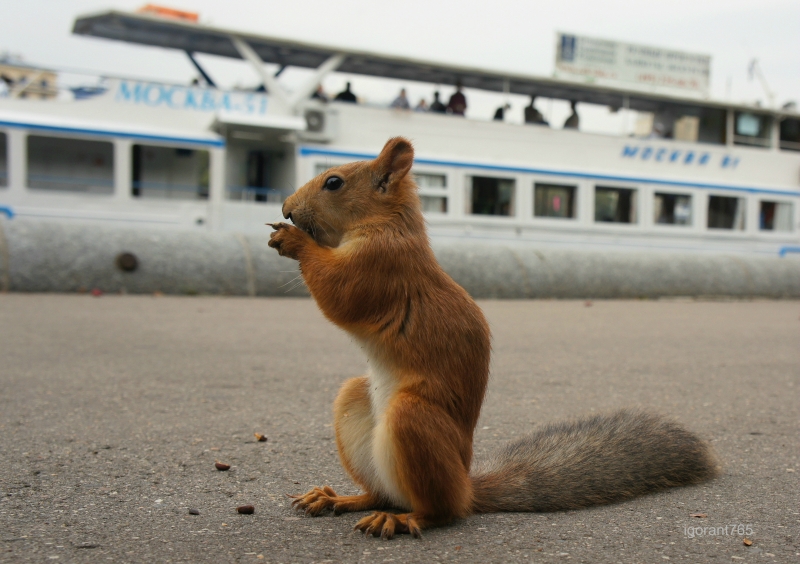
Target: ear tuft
394,162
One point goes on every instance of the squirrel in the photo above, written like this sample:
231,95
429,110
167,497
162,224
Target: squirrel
404,431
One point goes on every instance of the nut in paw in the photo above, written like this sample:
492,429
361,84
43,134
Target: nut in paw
287,239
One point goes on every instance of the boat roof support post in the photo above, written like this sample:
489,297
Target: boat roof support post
201,70
273,87
307,89
775,133
729,128
18,92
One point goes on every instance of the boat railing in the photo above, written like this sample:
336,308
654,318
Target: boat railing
71,183
790,145
165,189
256,194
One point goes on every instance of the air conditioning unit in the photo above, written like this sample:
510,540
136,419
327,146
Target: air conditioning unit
321,124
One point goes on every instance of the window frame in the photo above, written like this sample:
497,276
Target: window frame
682,227
444,192
513,203
165,145
112,141
747,228
759,200
636,189
560,183
6,178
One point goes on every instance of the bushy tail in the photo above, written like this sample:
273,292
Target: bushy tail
591,461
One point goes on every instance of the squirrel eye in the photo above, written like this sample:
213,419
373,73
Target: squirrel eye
333,183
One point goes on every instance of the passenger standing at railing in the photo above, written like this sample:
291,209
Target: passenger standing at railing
346,95
422,106
401,102
458,102
436,106
532,115
319,94
500,113
572,121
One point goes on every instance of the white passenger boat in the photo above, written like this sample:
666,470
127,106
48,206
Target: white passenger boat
149,153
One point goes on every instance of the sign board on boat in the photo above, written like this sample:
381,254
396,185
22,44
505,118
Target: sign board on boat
625,64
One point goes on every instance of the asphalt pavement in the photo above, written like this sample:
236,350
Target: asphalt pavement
114,410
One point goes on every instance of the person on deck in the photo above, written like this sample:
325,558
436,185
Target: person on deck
532,115
401,102
458,102
346,95
436,106
319,94
572,121
500,114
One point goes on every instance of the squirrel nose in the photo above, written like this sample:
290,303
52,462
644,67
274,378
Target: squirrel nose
283,211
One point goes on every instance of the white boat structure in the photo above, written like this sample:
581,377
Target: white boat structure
197,157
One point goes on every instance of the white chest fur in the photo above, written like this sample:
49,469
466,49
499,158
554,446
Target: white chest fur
382,387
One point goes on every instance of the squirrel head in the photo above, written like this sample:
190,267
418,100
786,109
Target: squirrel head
366,194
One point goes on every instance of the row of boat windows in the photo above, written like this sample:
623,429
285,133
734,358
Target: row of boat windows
77,165
489,196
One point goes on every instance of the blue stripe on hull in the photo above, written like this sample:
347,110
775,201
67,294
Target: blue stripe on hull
118,134
308,151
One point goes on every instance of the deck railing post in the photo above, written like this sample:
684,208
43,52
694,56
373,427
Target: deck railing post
17,160
216,188
122,170
730,129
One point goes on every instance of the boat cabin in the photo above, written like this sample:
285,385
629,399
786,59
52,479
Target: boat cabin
697,175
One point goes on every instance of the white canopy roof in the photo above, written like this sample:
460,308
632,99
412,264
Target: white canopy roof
147,29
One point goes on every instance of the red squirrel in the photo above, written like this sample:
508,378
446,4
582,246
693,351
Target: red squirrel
404,431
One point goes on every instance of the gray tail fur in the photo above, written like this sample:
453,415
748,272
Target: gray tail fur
591,461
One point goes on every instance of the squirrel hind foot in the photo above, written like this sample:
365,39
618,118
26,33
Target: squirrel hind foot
318,500
385,525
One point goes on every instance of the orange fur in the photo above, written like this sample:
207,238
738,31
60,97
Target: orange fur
365,256
404,432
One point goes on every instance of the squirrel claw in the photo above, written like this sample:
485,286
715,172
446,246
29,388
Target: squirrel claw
314,502
385,525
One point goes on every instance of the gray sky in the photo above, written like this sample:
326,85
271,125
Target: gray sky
516,36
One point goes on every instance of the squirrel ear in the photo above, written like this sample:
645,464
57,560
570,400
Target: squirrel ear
394,162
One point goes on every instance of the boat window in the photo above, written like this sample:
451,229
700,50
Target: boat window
492,196
615,205
712,126
683,123
790,134
169,173
70,165
253,173
436,204
725,212
751,129
430,188
672,209
3,160
775,216
553,200
430,181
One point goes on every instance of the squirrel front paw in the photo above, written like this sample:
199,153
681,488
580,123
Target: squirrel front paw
287,239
